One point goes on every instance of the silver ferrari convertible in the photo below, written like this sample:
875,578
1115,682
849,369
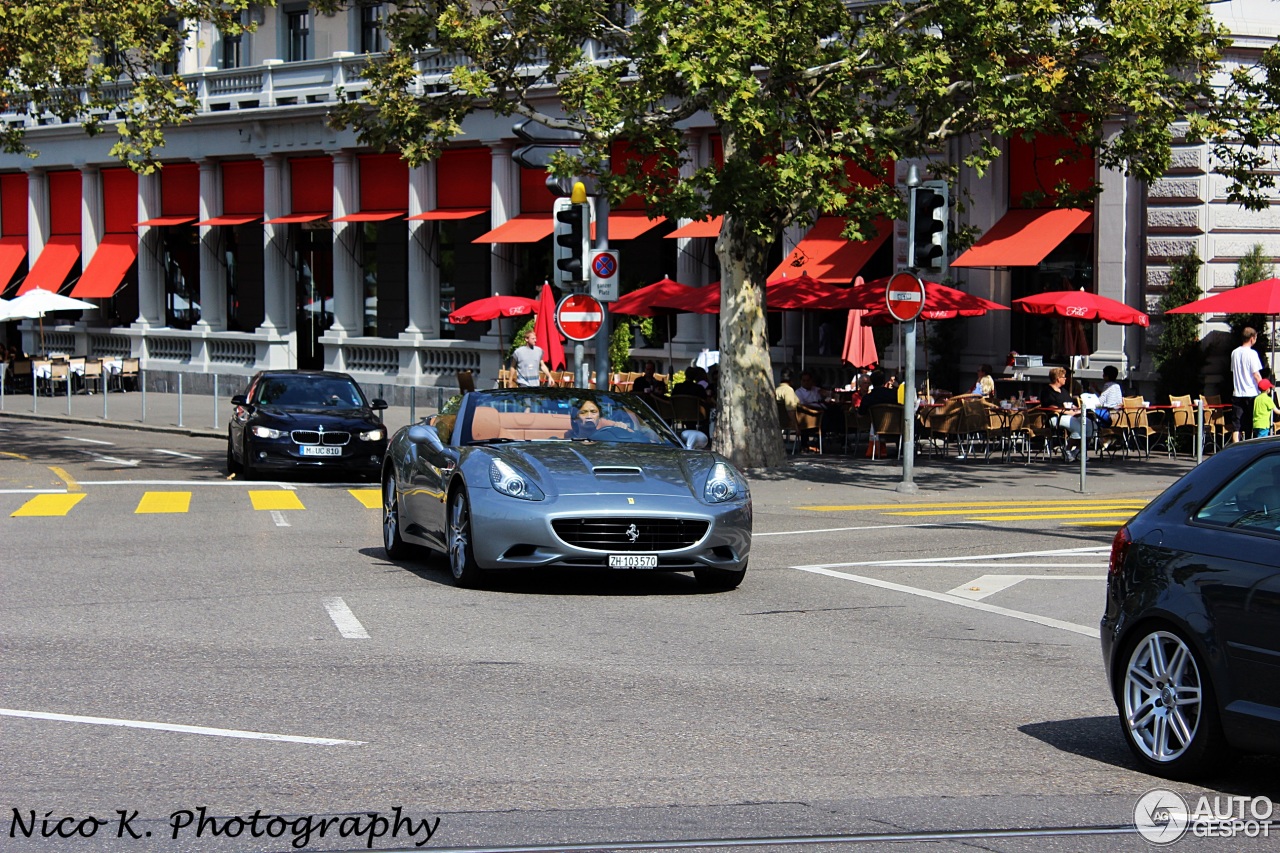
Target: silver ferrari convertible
532,477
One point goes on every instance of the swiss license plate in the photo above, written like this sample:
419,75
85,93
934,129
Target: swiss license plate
320,450
633,561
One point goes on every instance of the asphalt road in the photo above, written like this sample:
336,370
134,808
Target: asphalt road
897,672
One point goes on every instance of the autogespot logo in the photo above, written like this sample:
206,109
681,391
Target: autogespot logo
1161,816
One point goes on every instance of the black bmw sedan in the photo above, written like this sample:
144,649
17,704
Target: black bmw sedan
302,419
1191,632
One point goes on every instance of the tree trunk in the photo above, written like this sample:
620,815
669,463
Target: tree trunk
747,429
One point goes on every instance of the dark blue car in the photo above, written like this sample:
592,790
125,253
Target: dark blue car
1191,632
300,419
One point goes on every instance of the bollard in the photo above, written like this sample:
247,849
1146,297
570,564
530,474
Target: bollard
69,375
142,383
180,399
106,387
215,401
1199,430
413,403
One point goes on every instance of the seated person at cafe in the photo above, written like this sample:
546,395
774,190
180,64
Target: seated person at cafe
881,392
649,384
985,387
784,393
1055,396
1111,399
809,393
692,384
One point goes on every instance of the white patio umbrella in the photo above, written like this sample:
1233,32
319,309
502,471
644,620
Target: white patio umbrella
34,304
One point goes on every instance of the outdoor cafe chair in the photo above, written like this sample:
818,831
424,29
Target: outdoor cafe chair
886,421
1180,421
91,376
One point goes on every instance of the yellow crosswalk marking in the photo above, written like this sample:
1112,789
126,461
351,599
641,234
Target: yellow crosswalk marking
905,505
1029,508
156,502
46,505
371,498
1112,523
275,499
1119,517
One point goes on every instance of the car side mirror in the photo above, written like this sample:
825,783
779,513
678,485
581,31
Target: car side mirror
379,404
694,439
238,400
424,434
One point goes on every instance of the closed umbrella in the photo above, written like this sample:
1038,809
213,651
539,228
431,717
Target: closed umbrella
548,334
859,342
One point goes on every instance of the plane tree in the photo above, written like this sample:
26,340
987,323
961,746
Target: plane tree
800,93
103,64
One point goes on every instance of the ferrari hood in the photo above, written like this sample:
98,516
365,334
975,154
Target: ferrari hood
583,468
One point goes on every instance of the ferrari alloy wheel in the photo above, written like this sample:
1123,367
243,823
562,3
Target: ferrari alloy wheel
395,547
1168,710
462,561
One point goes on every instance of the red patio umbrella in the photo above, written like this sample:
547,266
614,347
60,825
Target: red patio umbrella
859,343
493,307
548,335
790,294
639,303
1082,305
1261,297
939,300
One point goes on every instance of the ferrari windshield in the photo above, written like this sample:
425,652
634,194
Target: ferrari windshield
561,414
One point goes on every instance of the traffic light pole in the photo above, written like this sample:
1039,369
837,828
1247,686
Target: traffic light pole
908,486
601,243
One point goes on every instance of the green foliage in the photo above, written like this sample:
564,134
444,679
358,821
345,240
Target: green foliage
1179,358
54,59
620,347
1252,267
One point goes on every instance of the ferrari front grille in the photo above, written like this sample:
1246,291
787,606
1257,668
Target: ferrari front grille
637,533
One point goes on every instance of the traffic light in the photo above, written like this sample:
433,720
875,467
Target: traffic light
927,246
572,220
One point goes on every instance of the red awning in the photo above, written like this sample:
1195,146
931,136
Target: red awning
237,219
525,228
166,220
1023,238
629,224
371,216
829,257
707,228
449,213
49,272
116,253
297,217
12,251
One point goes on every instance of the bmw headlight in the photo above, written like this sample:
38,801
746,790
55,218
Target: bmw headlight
508,482
373,434
724,484
268,432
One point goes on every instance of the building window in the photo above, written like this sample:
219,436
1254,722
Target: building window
298,31
232,57
373,28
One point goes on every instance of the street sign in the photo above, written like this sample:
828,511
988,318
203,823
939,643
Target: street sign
579,316
905,297
604,275
534,131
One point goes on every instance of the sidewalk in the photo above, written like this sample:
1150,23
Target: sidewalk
829,479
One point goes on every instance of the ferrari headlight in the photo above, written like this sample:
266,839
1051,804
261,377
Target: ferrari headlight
508,482
724,484
373,434
268,432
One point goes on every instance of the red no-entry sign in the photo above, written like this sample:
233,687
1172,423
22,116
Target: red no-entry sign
905,297
579,316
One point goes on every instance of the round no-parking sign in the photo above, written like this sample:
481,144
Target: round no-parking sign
579,317
905,297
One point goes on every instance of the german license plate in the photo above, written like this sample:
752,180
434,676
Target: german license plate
320,450
633,561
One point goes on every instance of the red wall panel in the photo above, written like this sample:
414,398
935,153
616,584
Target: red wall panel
242,187
463,176
534,195
180,189
1032,168
384,182
119,200
13,205
311,184
64,203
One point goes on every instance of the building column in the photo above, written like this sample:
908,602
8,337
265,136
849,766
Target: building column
424,272
348,294
92,227
150,255
989,335
693,329
213,275
278,288
505,197
1118,250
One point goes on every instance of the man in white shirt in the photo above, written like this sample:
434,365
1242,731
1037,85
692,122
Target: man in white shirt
1111,400
530,368
1246,371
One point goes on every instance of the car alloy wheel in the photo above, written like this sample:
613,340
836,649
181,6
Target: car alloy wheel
462,561
1167,706
233,467
391,541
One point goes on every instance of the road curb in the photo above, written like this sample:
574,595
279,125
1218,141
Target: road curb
138,426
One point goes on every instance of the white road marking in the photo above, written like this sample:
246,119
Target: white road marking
129,463
348,625
1085,630
1100,549
870,527
278,517
86,440
176,453
33,491
980,588
174,727
258,484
